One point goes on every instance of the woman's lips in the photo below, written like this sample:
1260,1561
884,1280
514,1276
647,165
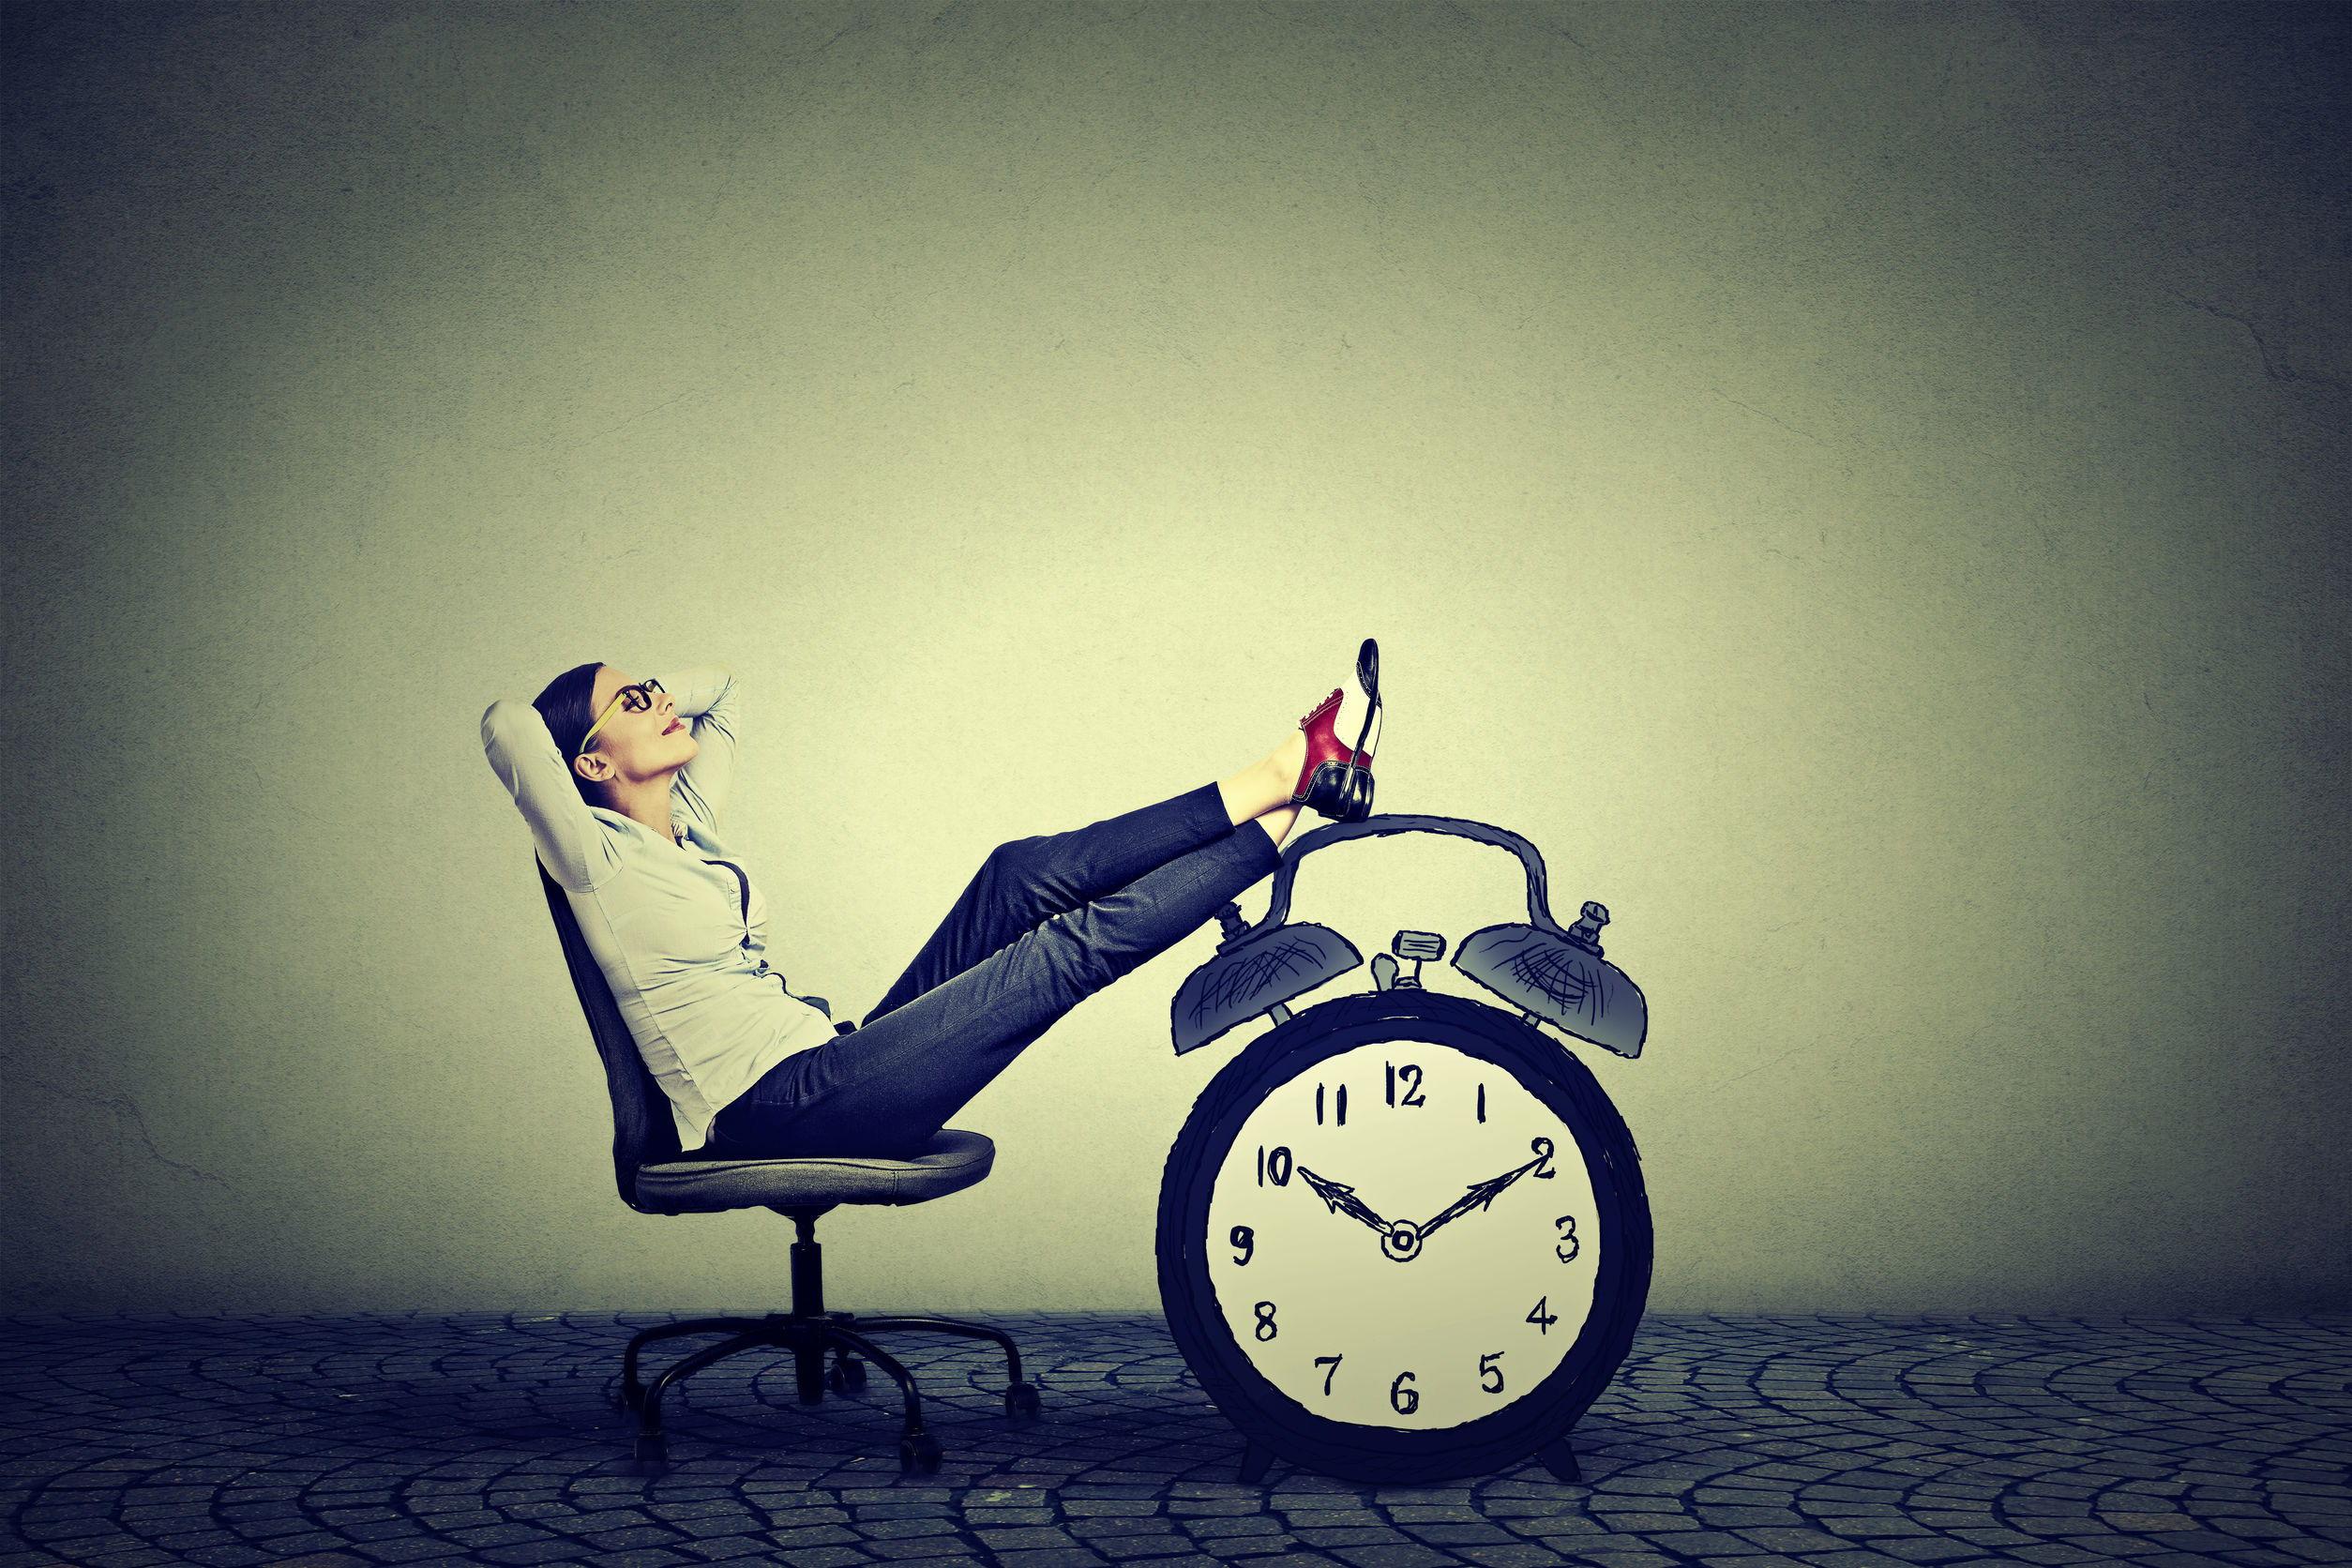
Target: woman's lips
674,726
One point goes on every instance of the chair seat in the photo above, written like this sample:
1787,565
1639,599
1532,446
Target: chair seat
952,1161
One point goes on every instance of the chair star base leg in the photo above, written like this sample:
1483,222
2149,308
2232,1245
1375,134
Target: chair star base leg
950,1325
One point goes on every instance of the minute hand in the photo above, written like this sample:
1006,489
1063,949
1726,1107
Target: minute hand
1478,1196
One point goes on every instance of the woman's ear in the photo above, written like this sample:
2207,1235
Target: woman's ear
592,767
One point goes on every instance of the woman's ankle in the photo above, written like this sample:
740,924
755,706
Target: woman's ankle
1278,823
1265,785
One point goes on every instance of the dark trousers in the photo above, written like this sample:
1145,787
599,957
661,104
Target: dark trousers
1046,923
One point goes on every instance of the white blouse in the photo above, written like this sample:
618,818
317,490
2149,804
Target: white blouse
678,927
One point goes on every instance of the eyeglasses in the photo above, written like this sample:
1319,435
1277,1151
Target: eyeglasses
637,698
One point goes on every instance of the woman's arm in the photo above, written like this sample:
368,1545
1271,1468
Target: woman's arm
572,844
709,699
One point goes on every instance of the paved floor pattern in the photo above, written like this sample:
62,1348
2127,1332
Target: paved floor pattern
1858,1442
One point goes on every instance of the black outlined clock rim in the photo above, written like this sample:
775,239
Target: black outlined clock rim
1547,1070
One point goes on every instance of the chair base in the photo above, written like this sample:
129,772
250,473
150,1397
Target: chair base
809,1332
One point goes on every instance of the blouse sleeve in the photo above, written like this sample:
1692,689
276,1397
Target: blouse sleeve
573,845
712,701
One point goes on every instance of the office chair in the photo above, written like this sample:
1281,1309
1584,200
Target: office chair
655,1178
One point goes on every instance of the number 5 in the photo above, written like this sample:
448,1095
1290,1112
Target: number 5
1487,1364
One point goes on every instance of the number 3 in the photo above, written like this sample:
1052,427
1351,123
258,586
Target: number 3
1568,1234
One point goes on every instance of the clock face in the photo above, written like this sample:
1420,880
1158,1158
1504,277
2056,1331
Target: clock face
1402,1236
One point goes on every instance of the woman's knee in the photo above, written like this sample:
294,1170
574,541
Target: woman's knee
1015,863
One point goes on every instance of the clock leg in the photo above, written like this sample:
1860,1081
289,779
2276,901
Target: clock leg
1560,1459
1255,1458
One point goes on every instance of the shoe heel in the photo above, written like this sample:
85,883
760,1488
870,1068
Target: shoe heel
1327,792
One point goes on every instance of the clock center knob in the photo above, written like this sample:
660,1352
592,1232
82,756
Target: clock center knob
1403,1241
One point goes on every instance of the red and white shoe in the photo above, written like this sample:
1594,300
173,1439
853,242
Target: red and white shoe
1336,779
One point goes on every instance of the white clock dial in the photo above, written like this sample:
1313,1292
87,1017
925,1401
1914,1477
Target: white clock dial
1407,1324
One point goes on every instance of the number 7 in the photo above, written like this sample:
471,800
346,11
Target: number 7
1327,1370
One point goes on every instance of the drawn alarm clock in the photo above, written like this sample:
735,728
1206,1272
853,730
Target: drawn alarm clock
1403,1234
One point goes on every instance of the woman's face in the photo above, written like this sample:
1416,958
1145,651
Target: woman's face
635,743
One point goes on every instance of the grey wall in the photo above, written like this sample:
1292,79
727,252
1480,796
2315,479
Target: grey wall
1862,488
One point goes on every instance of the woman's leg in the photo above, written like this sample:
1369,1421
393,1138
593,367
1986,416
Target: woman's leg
1025,881
887,1087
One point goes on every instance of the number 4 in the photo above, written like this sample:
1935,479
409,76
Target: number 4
1541,1318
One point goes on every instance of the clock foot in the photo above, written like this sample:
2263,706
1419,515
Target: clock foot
1560,1459
1255,1458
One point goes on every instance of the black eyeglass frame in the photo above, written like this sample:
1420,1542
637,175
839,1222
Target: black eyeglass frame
642,691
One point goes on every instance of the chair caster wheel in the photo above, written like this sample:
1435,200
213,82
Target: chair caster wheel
652,1449
1020,1402
918,1454
845,1375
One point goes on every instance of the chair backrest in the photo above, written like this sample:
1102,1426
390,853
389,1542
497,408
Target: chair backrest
642,1132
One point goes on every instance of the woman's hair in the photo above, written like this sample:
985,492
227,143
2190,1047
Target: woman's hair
569,705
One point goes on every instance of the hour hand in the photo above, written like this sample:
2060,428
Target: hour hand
1479,1195
1342,1198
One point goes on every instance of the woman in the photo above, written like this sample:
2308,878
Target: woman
623,784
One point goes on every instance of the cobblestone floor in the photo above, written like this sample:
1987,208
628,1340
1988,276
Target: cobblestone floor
1759,1443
